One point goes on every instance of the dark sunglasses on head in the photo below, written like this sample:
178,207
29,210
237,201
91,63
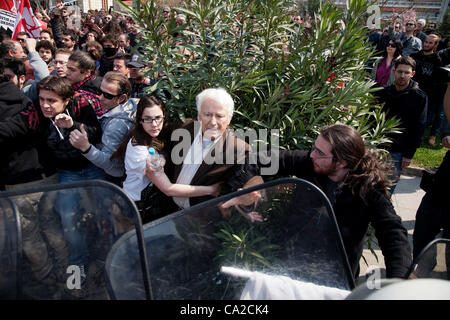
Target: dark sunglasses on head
107,95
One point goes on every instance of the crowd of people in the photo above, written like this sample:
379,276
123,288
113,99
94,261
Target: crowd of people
73,107
429,50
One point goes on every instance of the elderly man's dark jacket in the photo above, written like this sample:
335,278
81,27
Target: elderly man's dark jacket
231,173
353,215
410,107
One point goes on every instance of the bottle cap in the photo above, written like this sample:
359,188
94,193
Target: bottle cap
151,151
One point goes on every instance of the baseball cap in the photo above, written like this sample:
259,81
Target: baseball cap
136,61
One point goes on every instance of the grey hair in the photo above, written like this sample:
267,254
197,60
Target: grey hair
220,95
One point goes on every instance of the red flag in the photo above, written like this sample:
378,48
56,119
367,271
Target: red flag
26,20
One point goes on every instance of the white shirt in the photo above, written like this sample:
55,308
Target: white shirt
135,162
191,163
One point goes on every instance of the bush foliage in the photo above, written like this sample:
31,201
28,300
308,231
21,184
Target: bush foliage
280,78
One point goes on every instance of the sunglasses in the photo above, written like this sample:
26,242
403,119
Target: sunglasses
108,96
392,45
410,24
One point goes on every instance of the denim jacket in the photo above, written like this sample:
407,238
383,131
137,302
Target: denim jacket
115,125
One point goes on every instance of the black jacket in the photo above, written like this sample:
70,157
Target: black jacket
67,157
410,107
24,148
353,216
441,184
427,67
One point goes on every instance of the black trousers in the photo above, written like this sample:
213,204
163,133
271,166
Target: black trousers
431,217
433,213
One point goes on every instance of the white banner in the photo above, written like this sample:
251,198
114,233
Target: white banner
7,19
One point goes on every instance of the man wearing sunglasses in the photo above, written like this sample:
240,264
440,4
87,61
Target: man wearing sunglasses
116,122
410,43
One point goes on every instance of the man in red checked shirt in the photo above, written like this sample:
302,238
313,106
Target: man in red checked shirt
81,75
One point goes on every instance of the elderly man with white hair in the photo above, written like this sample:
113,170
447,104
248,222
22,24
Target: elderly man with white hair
419,31
206,151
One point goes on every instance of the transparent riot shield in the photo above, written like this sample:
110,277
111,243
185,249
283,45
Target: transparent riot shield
289,230
433,261
65,233
10,249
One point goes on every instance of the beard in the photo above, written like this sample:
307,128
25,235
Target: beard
325,171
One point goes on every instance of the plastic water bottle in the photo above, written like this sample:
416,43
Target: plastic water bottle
155,160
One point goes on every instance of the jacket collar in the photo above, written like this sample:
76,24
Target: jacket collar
78,85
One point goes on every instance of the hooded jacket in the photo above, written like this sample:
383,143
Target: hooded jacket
116,123
25,155
410,107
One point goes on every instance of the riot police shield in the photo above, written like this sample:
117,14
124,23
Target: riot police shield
64,235
285,227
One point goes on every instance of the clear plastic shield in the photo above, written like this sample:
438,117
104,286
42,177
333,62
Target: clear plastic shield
297,237
65,233
10,249
433,262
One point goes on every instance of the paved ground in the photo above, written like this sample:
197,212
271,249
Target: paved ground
406,200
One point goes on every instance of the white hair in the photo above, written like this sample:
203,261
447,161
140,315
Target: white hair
220,95
422,21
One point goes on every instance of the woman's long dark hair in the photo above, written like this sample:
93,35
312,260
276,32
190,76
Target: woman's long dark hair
398,46
138,135
366,171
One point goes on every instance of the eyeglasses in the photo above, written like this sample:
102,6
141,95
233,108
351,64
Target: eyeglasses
56,62
397,27
157,120
319,154
392,45
410,24
108,96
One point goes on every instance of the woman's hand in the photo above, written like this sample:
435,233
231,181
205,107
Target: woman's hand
215,189
150,171
63,120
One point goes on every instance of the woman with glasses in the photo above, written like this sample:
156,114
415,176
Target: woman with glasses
383,67
151,129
